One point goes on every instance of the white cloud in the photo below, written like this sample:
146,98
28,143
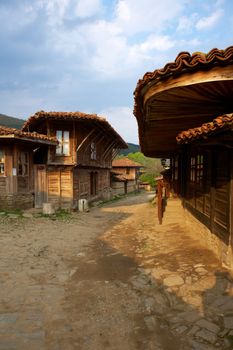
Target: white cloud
146,16
186,23
123,121
210,21
55,10
88,8
105,46
155,42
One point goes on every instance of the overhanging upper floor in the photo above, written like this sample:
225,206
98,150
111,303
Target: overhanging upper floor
191,91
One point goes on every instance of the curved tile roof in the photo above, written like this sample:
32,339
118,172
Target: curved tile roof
184,63
31,136
223,122
42,115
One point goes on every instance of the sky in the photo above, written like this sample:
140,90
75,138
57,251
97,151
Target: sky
87,55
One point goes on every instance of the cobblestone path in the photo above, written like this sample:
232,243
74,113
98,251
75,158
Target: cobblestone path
111,279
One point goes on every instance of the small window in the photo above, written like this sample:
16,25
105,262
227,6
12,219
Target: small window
199,170
63,147
193,169
23,163
2,162
93,151
127,171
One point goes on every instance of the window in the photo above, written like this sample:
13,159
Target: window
63,148
196,169
23,163
199,170
93,151
2,162
127,171
192,169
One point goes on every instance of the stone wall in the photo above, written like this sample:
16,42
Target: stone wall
16,201
212,242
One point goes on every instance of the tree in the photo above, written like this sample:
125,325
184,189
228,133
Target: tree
152,167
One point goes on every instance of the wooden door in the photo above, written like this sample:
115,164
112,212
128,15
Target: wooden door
40,185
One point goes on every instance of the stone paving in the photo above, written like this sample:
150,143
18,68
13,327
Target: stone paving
112,278
185,293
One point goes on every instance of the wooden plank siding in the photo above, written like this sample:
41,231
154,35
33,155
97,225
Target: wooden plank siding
60,186
208,197
41,191
221,215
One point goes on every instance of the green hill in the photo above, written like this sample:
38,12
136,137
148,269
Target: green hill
132,148
11,122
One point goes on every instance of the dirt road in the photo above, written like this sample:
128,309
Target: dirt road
111,279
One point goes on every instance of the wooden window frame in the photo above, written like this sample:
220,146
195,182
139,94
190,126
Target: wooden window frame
63,142
196,170
23,163
2,162
93,151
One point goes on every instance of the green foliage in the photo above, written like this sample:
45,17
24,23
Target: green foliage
11,122
150,178
152,167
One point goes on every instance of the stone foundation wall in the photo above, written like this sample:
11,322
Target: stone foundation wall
212,242
16,201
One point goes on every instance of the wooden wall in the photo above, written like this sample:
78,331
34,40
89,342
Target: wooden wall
16,182
207,188
81,137
60,186
82,183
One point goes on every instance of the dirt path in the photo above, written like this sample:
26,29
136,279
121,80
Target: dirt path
111,279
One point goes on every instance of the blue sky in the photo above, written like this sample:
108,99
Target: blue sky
87,55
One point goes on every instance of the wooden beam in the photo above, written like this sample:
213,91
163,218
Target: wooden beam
84,140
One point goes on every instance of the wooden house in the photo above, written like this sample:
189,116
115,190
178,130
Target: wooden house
17,150
79,166
184,112
124,175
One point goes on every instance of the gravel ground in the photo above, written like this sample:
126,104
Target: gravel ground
112,279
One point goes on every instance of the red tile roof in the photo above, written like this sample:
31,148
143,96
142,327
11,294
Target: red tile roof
125,163
35,119
221,123
30,136
184,63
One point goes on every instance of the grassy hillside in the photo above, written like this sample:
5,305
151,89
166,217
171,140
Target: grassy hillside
11,122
